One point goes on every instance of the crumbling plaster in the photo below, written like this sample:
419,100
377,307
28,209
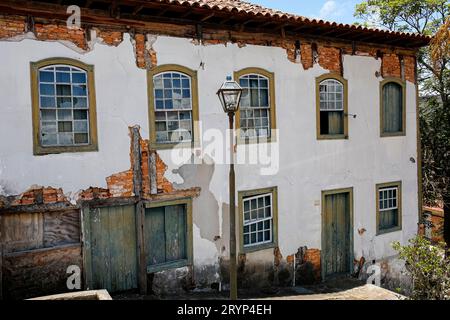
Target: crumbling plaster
306,166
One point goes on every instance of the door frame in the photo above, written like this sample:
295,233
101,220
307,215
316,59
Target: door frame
326,193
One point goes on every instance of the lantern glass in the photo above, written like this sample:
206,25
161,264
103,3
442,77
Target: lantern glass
230,95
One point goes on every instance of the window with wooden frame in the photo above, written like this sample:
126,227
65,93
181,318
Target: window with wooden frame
393,108
173,101
168,234
256,118
389,207
258,219
64,109
332,107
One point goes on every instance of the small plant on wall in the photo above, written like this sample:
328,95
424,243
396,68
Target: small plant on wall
429,268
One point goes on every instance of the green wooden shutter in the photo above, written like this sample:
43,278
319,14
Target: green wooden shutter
156,236
166,234
392,108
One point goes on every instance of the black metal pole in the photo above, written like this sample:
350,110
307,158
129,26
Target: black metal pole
232,182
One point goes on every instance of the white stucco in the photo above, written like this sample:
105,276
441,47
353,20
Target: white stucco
307,166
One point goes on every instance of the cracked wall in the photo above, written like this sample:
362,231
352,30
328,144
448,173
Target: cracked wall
122,102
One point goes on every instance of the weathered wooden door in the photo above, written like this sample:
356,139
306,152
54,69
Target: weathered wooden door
337,232
110,248
166,233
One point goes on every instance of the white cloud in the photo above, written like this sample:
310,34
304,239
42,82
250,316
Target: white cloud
328,9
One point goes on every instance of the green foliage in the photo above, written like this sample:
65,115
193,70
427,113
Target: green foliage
428,267
426,17
418,16
435,131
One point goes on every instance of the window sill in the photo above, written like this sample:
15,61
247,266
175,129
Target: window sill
387,231
43,151
259,247
394,134
167,266
333,137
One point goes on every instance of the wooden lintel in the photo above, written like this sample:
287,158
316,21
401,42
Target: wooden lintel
35,208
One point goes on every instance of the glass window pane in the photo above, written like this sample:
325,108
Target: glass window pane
79,90
81,126
48,102
63,90
47,89
78,77
48,114
49,139
65,138
81,138
64,102
65,114
80,114
65,126
45,76
80,102
48,127
63,77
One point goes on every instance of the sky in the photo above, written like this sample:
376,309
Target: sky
331,10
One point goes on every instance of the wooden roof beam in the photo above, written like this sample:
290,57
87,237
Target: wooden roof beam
207,17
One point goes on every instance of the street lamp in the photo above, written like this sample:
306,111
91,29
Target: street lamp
230,96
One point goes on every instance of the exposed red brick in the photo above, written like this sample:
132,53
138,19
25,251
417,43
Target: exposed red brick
94,193
112,38
40,195
58,32
11,26
306,55
330,58
140,50
390,65
410,68
121,184
313,256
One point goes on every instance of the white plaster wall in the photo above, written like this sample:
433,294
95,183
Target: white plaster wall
307,166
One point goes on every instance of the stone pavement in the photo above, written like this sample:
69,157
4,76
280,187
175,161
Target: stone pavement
366,292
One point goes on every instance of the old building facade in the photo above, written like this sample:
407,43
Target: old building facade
90,114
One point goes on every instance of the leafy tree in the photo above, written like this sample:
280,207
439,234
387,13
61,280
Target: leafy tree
426,17
429,268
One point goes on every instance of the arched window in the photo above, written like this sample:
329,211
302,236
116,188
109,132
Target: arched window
332,107
173,106
256,117
392,109
64,106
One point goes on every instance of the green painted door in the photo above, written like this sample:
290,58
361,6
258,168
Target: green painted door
166,232
337,234
111,233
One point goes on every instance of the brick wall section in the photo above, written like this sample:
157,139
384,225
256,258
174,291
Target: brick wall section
140,50
94,193
40,195
390,66
121,184
111,38
410,68
330,58
313,256
55,32
306,55
11,26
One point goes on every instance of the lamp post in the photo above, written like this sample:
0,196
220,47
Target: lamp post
230,96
